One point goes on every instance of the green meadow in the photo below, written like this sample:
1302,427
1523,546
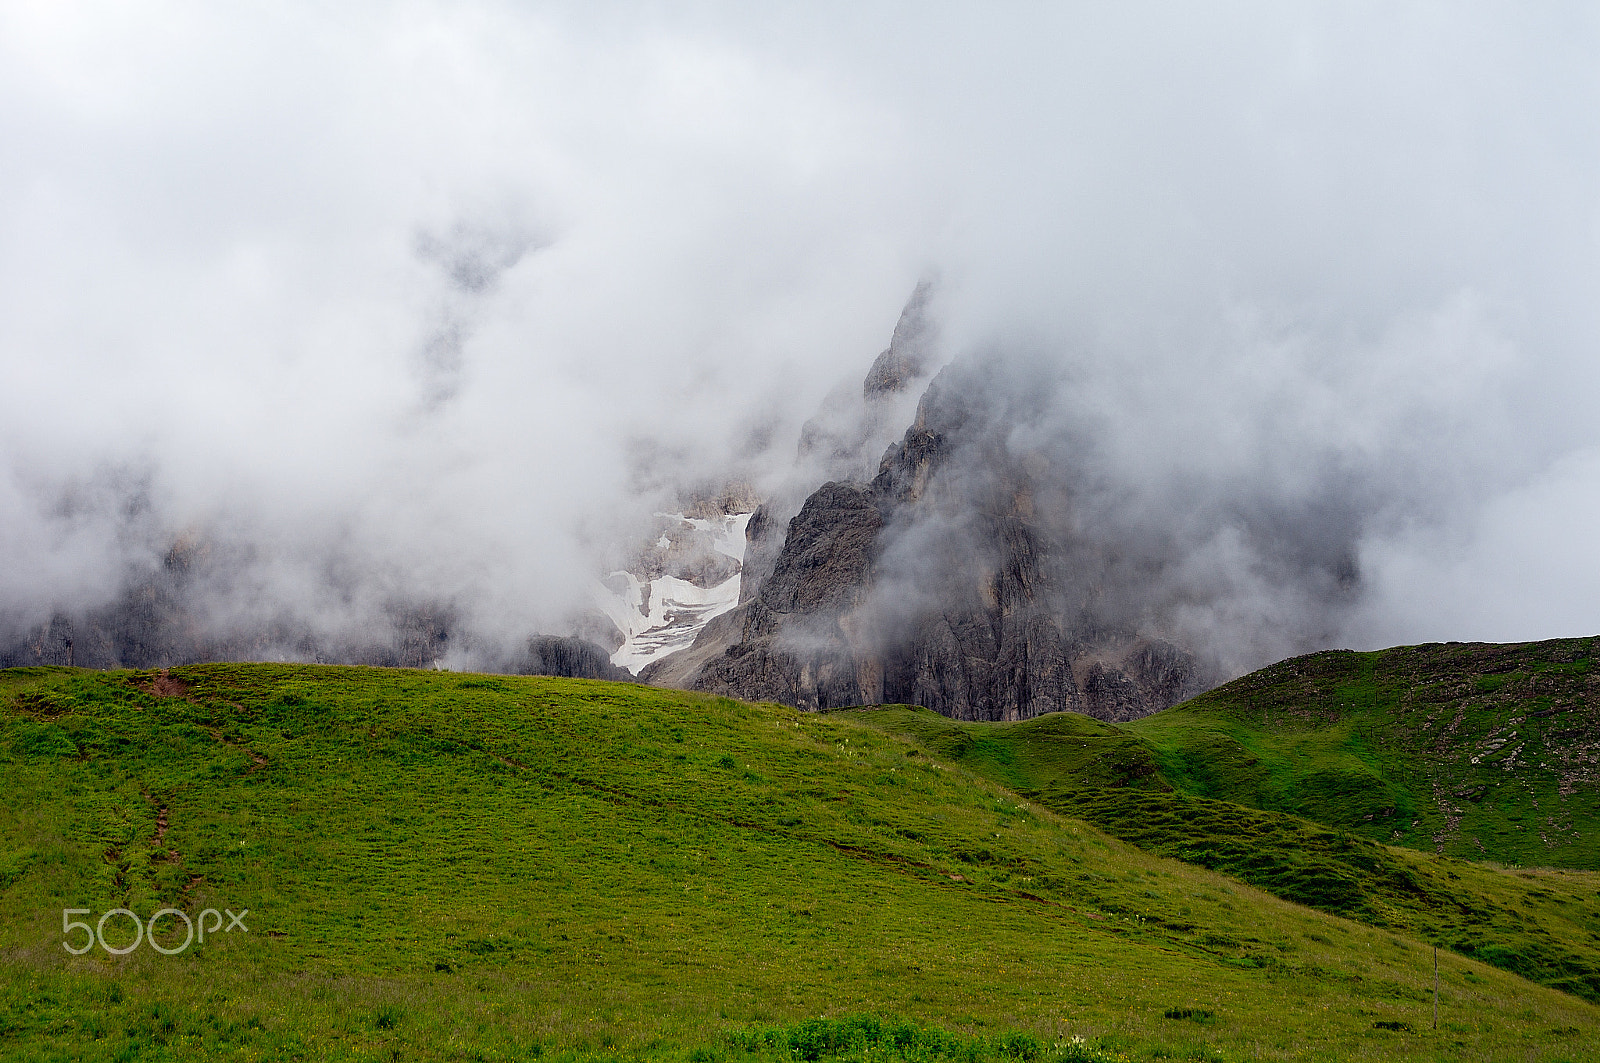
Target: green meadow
1356,783
1486,752
442,866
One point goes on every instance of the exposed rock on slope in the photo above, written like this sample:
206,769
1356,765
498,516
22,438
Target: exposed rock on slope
161,618
572,658
846,437
165,619
843,442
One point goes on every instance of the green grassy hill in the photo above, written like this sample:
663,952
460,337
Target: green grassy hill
1289,777
466,867
1486,752
1478,751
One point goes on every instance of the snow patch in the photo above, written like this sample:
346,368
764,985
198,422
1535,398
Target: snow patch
666,614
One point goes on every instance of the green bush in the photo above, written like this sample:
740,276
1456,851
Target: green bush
867,1039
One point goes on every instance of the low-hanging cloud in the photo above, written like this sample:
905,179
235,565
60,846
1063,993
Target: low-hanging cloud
434,304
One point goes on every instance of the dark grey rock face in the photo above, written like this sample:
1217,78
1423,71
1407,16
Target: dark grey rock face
795,644
569,657
157,624
827,553
763,543
156,620
150,627
905,361
55,643
168,616
1150,672
983,647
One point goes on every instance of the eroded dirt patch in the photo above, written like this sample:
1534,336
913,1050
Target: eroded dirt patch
163,685
168,687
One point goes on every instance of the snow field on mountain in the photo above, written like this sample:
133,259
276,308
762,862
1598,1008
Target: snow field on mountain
661,616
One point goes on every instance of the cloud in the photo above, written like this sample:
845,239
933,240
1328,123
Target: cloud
1522,568
404,293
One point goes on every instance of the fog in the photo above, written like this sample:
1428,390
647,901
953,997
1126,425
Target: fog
438,303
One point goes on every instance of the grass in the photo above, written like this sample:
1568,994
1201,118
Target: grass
1310,779
461,867
1485,752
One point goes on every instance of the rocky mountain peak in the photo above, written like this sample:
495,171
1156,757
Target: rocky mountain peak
848,434
908,357
939,581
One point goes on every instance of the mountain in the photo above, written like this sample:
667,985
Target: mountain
169,616
939,581
432,865
176,611
992,559
953,533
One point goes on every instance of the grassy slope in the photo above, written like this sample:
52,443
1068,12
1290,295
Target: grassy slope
1399,745
1480,751
442,866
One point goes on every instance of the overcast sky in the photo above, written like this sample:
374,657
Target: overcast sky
423,281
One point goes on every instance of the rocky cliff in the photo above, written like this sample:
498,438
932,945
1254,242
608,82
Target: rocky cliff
994,561
571,657
935,583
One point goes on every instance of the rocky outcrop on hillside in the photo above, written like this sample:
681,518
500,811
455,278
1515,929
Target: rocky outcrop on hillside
155,621
147,629
171,615
687,575
156,627
572,658
196,602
